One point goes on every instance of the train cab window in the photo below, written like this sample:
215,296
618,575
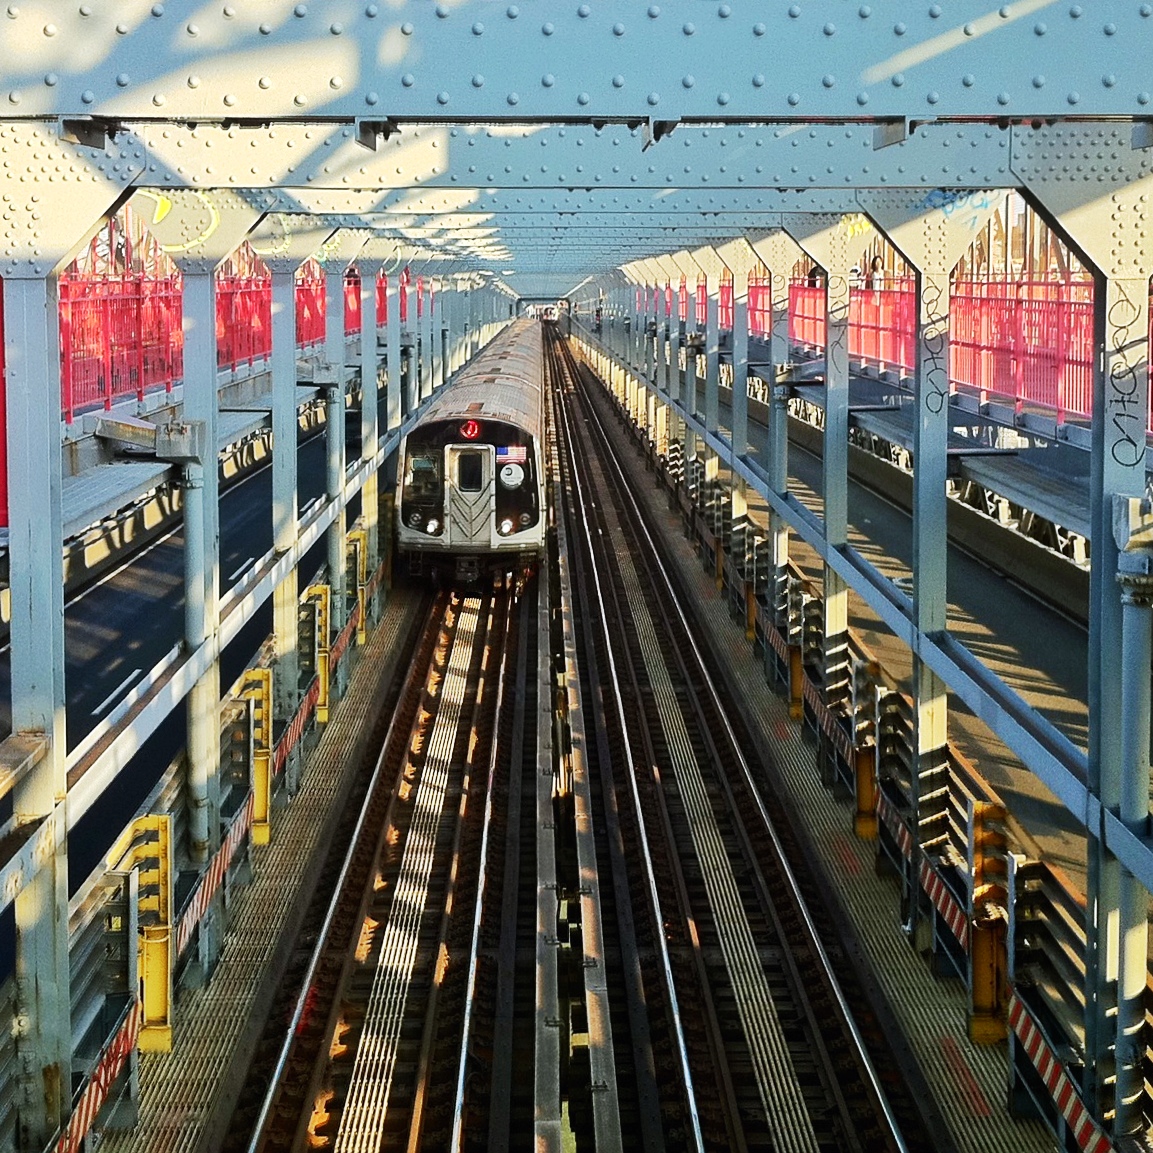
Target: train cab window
422,478
470,472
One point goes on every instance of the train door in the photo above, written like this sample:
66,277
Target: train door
471,495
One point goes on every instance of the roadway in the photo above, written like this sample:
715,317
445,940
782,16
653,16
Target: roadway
119,627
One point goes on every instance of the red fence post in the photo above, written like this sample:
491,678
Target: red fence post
66,387
105,347
138,287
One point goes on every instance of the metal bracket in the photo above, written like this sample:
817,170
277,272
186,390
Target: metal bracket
179,442
90,131
655,131
369,133
1133,522
890,132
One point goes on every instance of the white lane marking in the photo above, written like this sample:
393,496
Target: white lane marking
116,692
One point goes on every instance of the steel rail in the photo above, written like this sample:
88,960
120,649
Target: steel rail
277,1076
366,1099
817,945
602,1059
493,634
650,878
457,1138
628,950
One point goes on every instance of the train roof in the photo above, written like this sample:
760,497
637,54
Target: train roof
502,383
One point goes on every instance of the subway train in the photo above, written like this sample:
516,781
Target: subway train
470,496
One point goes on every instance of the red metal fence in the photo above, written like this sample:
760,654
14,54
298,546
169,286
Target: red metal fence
882,325
310,310
243,320
120,336
760,306
1027,342
1024,342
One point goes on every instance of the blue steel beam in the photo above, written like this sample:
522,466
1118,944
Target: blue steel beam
476,60
310,155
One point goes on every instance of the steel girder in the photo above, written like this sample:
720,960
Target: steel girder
473,60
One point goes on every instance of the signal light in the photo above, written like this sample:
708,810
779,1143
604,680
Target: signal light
470,430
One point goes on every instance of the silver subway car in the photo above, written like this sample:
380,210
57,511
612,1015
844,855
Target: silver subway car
470,483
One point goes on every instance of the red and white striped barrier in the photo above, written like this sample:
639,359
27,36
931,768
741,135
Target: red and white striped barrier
1091,1138
828,722
779,645
213,878
945,903
112,1062
341,643
895,824
291,736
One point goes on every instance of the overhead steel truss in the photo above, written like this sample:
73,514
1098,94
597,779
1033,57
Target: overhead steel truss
590,148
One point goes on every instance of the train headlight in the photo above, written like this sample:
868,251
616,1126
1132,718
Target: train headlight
525,519
433,527
505,526
414,520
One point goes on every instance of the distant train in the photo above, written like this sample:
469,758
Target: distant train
470,477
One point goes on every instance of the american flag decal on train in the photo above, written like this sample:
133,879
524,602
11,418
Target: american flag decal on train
511,454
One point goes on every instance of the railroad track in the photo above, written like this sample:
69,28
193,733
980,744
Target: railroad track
745,1041
392,1037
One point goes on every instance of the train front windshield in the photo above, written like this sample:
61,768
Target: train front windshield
422,481
422,490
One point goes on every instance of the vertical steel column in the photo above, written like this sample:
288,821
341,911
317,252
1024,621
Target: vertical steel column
451,325
201,229
285,684
1117,469
436,332
449,328
665,337
202,565
824,238
424,343
778,253
712,349
621,312
673,375
1112,231
930,556
835,472
54,197
284,242
1136,582
369,406
648,347
394,401
334,442
412,370
739,257
692,399
932,242
473,344
637,330
36,581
